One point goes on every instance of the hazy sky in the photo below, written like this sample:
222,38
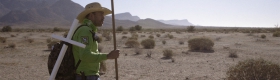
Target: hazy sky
240,13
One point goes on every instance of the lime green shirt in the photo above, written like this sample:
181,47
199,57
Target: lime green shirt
89,56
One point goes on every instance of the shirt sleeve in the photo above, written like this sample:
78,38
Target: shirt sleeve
90,52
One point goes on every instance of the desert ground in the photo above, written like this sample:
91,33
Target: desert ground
28,61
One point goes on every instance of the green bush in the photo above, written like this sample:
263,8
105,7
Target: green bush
251,69
276,34
7,29
148,43
200,44
167,53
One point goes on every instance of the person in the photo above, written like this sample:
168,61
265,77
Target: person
90,58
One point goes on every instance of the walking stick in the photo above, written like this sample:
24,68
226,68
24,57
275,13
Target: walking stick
114,37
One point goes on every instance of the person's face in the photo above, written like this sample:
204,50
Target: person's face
97,18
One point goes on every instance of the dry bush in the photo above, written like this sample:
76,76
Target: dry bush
143,35
201,44
167,53
276,34
12,45
181,42
138,51
149,54
191,28
30,40
251,69
6,29
263,36
148,43
151,37
233,54
163,42
109,38
158,35
218,38
99,39
49,40
13,35
134,35
170,36
124,37
125,32
3,39
132,43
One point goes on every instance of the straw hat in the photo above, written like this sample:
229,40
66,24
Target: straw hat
92,7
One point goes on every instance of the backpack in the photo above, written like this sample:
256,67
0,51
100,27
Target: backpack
67,68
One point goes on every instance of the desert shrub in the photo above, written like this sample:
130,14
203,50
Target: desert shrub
56,29
30,40
200,44
263,36
119,28
143,35
12,45
190,28
148,43
125,32
163,42
65,34
167,53
132,38
132,43
181,42
138,27
276,34
233,54
124,37
218,38
251,69
49,40
3,39
178,32
158,35
132,29
13,35
134,35
169,36
6,29
151,37
138,51
108,38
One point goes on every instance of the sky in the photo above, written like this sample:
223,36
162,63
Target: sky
227,13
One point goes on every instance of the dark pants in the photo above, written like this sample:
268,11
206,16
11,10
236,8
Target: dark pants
94,77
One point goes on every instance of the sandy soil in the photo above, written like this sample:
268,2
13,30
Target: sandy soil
28,61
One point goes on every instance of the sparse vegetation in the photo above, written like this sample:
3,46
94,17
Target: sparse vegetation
251,69
158,35
30,40
49,40
200,44
167,53
132,29
138,27
151,37
11,45
124,37
233,54
56,29
181,42
6,29
148,43
138,51
3,39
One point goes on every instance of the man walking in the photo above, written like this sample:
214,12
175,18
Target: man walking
91,18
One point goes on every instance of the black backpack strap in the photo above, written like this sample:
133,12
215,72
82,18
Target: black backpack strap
77,65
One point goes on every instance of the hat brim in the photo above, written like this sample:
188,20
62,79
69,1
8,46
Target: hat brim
83,14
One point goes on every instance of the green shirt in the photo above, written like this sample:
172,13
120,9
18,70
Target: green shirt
89,56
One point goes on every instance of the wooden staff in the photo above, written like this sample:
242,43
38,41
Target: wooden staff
114,37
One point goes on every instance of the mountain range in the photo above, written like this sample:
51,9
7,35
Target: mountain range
63,12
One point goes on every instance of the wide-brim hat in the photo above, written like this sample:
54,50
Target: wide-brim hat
92,7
